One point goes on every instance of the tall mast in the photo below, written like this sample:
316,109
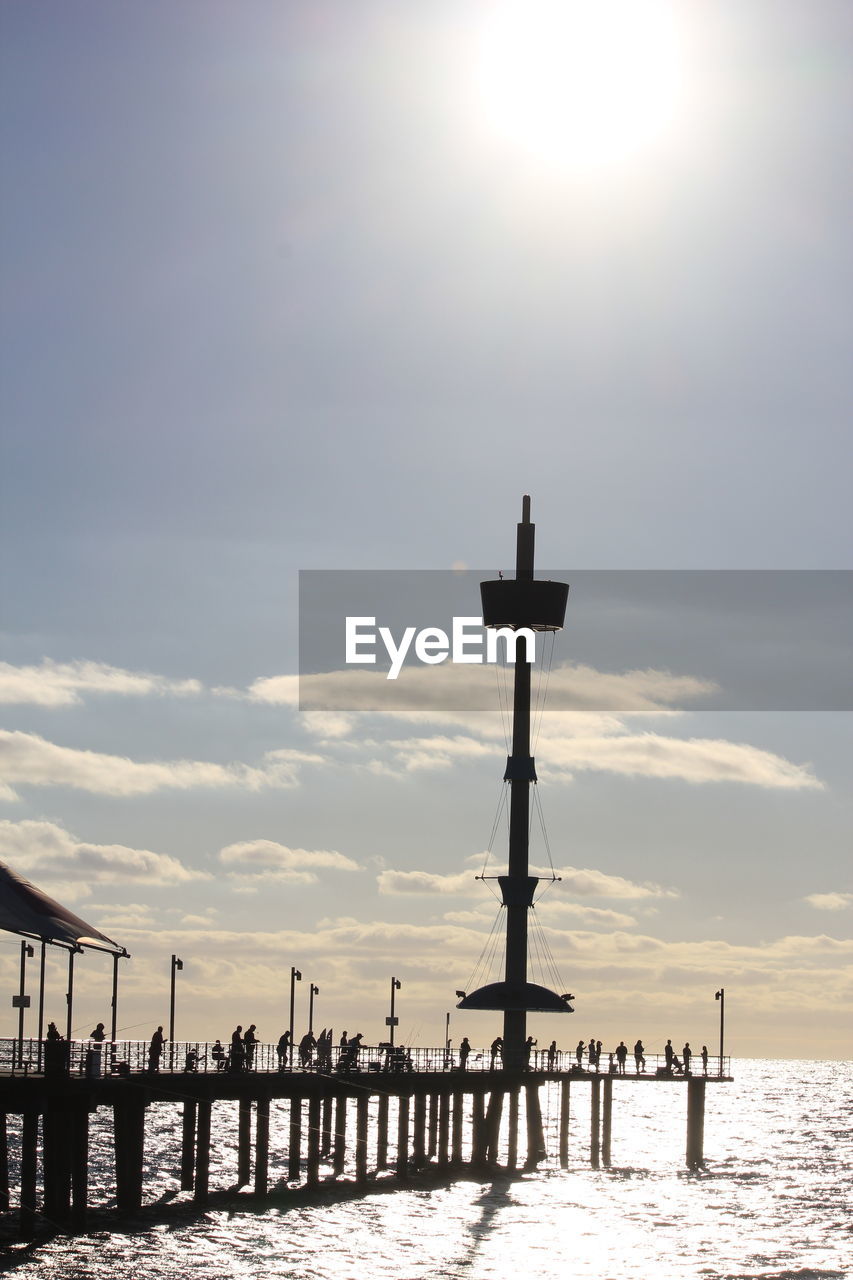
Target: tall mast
535,606
517,887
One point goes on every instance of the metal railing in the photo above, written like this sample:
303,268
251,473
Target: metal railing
89,1058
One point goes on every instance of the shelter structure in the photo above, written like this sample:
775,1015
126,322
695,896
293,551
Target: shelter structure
30,912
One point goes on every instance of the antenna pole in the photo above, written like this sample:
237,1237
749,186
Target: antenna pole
518,892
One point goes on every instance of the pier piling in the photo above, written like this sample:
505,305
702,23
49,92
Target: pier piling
696,1122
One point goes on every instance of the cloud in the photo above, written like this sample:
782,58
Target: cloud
601,916
61,684
451,689
588,883
259,861
699,760
46,852
425,882
438,752
829,901
26,758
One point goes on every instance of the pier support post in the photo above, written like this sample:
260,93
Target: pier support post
382,1133
458,1120
4,1164
361,1137
492,1126
188,1146
444,1130
595,1121
403,1136
244,1142
606,1121
56,1161
326,1139
512,1135
433,1126
202,1151
565,1104
312,1173
29,1142
262,1146
478,1129
695,1121
294,1153
535,1135
340,1133
79,1166
419,1135
129,1121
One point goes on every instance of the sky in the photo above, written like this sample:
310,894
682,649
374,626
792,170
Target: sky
302,286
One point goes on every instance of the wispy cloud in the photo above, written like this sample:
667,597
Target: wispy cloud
830,901
256,862
63,684
27,759
54,858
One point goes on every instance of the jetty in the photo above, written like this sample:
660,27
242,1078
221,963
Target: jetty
381,1109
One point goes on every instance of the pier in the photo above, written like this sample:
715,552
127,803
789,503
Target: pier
382,1110
375,1118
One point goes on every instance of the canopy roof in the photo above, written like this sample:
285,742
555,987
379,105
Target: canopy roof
27,910
528,996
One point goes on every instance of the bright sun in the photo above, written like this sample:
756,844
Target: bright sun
591,84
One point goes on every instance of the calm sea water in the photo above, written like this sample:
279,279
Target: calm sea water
773,1202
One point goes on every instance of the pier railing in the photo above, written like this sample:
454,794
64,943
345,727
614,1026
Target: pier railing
132,1057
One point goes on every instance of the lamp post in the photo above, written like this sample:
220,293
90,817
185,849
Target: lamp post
392,1021
176,964
295,976
447,1039
312,992
22,1000
721,996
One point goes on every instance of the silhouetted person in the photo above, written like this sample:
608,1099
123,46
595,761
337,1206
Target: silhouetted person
249,1042
621,1056
597,1053
155,1050
497,1050
99,1033
579,1051
552,1055
191,1060
593,1061
464,1050
669,1054
343,1042
686,1055
528,1048
237,1050
349,1058
639,1057
307,1045
704,1059
53,1032
282,1049
218,1055
324,1051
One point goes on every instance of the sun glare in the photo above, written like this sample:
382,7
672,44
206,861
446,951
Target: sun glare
590,85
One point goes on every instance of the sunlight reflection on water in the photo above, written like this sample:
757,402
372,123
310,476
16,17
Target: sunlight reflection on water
772,1202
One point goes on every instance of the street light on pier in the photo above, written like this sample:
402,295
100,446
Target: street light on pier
295,976
392,1021
176,965
721,996
312,992
22,1000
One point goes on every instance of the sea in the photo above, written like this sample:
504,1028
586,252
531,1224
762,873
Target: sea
773,1202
